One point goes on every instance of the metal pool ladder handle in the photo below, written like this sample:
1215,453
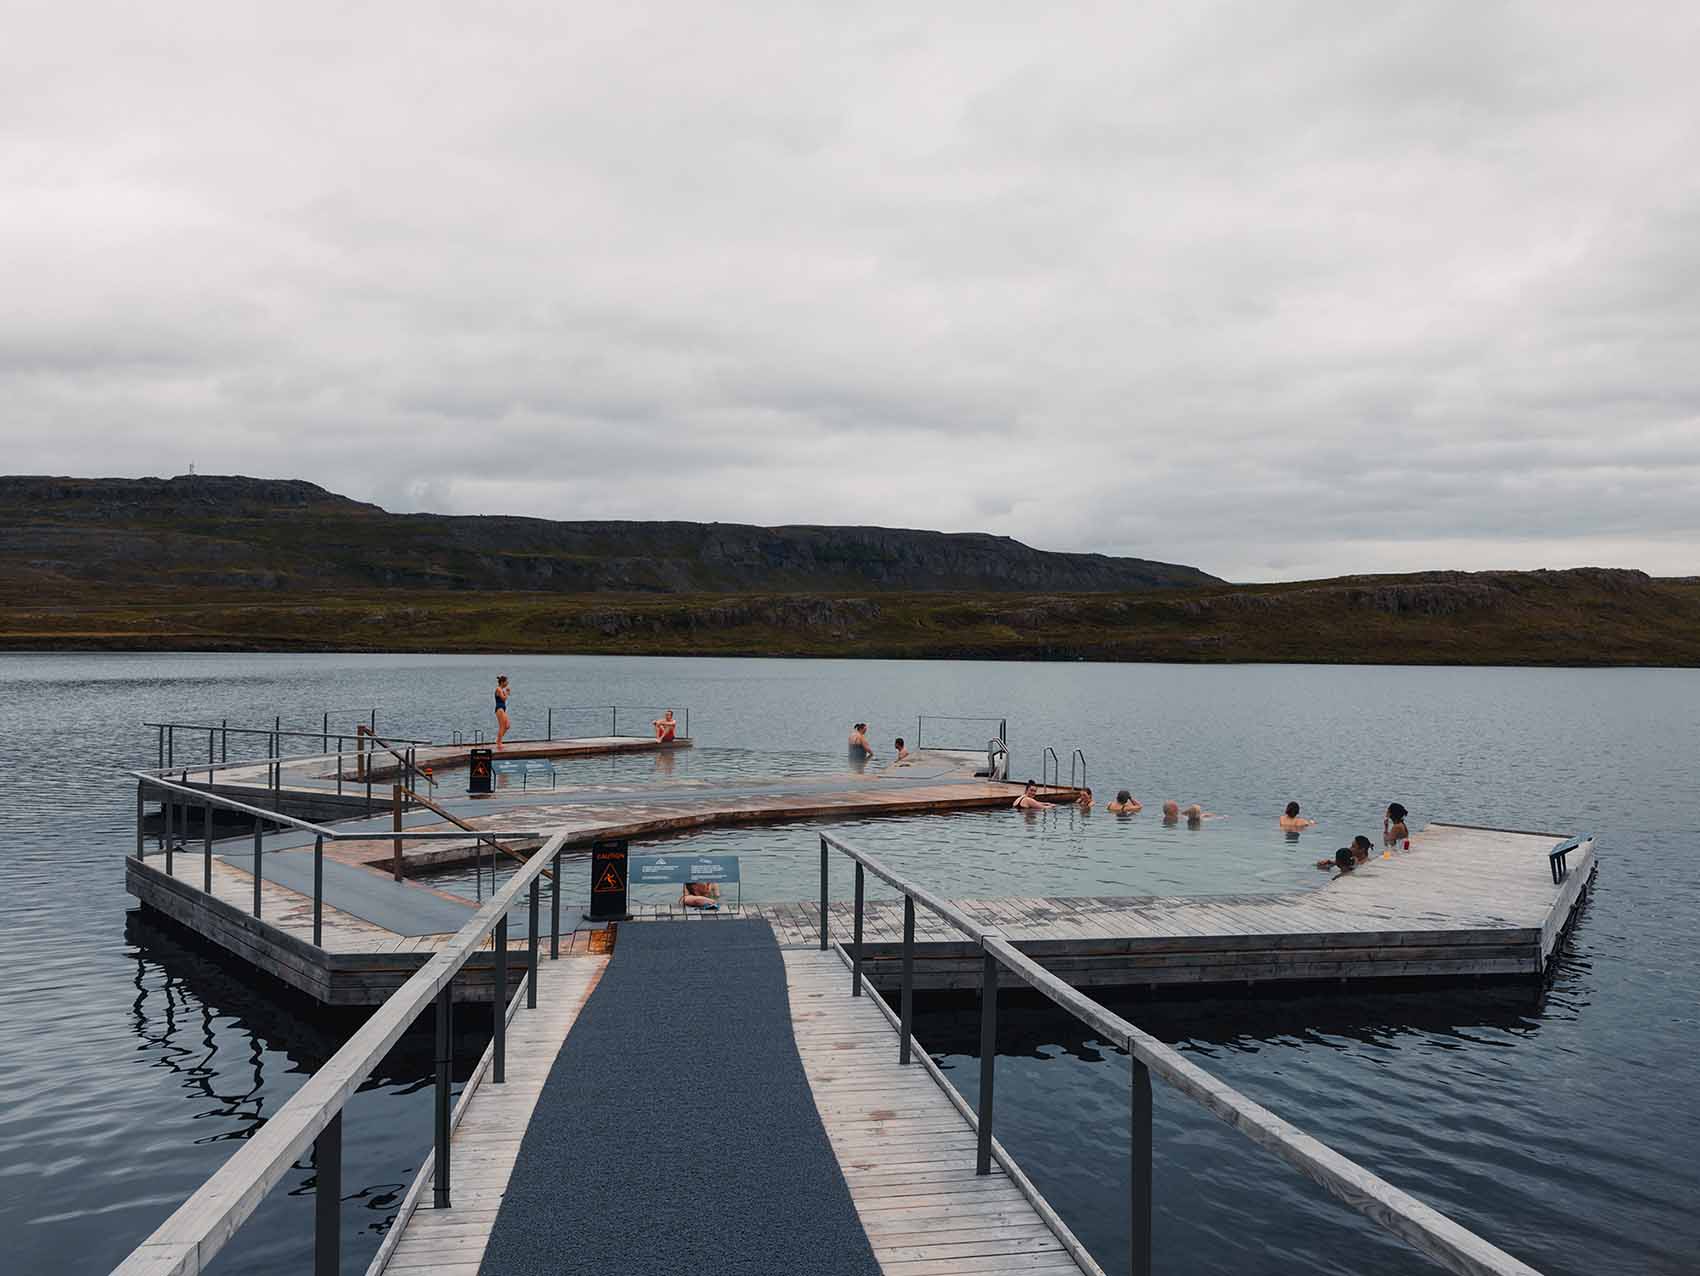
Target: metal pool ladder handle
1071,757
1050,768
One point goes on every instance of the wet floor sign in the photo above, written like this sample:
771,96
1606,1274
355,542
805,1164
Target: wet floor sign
608,882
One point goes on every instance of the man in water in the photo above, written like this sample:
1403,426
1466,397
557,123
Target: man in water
1125,804
1343,860
1029,799
1292,821
1171,812
860,749
1196,815
902,751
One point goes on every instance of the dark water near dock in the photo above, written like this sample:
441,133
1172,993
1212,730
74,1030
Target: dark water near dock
1563,1128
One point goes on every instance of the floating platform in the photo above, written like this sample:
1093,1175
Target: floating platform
1461,902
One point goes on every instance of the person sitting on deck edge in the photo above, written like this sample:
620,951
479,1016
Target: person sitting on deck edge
1029,799
666,729
1125,803
1393,829
703,895
1292,821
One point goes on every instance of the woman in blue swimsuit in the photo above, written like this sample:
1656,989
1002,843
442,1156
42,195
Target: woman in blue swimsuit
501,708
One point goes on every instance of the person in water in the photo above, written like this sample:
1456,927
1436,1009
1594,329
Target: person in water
860,749
1343,860
1084,799
502,723
666,729
703,895
1029,799
1292,821
1393,828
1125,803
1361,847
1171,812
902,751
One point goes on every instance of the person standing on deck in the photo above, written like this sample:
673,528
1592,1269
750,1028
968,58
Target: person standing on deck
502,723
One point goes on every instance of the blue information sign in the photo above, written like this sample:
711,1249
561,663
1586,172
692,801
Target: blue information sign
663,870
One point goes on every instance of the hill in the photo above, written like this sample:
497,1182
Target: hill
255,565
217,532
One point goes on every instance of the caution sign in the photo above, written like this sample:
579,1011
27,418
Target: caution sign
479,771
607,882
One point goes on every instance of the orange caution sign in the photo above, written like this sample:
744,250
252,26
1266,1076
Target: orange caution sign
609,881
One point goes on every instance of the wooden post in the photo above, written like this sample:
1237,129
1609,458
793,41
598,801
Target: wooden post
395,808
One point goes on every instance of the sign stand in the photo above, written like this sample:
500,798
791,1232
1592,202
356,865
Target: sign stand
608,880
479,773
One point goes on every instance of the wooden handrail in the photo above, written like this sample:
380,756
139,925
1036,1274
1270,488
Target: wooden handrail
198,1229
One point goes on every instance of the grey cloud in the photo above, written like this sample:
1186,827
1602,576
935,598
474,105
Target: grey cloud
1274,289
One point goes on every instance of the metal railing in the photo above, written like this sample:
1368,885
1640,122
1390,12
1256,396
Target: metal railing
921,721
222,731
275,762
312,1119
1050,769
187,797
634,714
1453,1246
1077,754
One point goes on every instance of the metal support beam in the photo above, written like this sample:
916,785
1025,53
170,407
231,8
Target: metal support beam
499,1065
906,1003
318,892
327,1200
988,1059
823,854
856,958
259,864
445,1068
206,848
1141,1184
555,911
531,951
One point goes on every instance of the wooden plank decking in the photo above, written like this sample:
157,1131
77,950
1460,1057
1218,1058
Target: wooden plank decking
428,1242
906,1151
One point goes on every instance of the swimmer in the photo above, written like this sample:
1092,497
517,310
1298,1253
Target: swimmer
1125,803
1196,815
1343,860
1084,799
1361,847
1393,829
860,749
1029,799
703,895
666,729
501,708
902,751
1171,812
1292,821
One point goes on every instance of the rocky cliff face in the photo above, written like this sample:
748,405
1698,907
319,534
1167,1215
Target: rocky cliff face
230,532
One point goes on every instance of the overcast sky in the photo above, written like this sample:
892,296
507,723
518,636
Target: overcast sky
1277,290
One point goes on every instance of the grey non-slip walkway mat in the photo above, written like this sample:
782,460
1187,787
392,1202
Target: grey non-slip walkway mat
405,909
677,1131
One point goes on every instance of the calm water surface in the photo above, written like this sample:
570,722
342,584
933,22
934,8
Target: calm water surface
1563,1127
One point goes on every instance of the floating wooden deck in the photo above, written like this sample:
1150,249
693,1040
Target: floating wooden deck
906,1149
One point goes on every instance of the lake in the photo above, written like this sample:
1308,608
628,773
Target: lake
1560,1126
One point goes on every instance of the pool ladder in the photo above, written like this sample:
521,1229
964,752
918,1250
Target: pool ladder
1050,769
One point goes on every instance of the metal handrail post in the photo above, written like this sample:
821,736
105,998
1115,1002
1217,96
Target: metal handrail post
210,759
259,870
162,748
395,812
856,962
688,726
327,1199
318,892
445,1062
531,950
906,1003
325,734
206,848
224,740
170,745
614,721
1141,1184
499,1064
339,766
141,815
555,911
823,894
170,816
550,734
988,1059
